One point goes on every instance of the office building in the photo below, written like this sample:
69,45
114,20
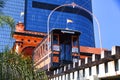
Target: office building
12,8
37,11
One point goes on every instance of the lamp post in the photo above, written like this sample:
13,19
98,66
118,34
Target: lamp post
73,5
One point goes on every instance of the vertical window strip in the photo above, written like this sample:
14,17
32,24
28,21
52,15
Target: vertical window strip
106,67
116,64
97,69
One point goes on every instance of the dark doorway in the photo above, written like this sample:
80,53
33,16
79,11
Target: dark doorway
65,47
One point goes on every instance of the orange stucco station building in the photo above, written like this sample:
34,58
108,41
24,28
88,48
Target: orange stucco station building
26,41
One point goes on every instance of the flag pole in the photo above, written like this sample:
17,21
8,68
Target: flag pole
67,22
66,25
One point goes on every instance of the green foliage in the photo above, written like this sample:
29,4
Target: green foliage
15,67
7,20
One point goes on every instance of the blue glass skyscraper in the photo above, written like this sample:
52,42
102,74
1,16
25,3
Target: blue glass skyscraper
12,8
37,11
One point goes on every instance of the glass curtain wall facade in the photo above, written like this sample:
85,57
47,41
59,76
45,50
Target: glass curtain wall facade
12,8
37,11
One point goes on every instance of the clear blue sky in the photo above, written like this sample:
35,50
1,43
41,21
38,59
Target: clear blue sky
108,14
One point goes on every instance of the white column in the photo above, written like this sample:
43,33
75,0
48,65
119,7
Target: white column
86,72
63,77
75,75
79,63
113,50
111,68
86,60
59,77
81,74
54,78
71,76
66,77
119,64
102,54
93,57
64,68
101,70
94,71
54,72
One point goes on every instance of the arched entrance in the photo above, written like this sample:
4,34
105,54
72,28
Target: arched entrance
27,51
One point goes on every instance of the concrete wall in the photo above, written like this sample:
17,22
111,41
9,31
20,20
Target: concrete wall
108,65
